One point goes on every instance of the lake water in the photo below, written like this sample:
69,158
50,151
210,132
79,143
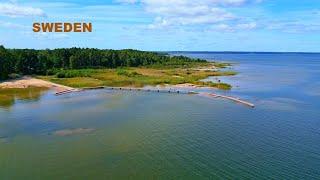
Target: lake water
103,134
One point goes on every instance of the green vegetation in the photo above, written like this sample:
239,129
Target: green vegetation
223,73
49,62
74,73
84,67
127,73
221,65
138,77
222,86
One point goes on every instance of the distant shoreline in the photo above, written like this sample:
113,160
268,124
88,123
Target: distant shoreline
237,52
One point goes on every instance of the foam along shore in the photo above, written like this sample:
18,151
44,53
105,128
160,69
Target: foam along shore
27,81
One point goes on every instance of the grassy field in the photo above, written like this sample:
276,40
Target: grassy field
137,77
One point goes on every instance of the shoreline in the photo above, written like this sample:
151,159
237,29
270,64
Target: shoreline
99,78
28,81
188,88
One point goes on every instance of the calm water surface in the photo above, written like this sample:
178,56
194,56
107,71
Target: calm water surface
139,135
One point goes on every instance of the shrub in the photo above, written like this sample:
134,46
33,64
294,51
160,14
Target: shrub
74,73
124,72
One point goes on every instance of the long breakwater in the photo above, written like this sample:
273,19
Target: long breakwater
210,95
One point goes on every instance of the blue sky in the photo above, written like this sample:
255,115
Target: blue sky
203,25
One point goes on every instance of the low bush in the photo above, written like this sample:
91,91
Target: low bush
124,72
74,73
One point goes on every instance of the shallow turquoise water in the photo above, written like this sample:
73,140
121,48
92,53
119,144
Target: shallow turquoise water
141,135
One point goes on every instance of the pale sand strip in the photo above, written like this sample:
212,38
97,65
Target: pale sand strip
28,81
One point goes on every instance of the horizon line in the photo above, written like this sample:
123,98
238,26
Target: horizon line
181,51
270,52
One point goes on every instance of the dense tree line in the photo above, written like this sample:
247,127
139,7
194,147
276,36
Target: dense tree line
43,62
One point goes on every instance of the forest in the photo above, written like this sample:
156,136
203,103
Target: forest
49,62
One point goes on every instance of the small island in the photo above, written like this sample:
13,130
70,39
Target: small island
88,67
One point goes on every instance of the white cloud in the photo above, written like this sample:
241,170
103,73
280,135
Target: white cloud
188,12
181,2
11,25
127,1
48,36
234,27
294,26
246,26
192,17
14,10
61,36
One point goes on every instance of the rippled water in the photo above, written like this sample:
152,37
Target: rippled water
142,135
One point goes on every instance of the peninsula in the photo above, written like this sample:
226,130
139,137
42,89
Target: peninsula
85,67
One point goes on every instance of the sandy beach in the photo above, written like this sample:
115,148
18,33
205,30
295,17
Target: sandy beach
28,81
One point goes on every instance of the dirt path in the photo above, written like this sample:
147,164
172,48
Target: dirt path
27,81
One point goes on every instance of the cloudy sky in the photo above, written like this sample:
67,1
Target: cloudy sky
202,25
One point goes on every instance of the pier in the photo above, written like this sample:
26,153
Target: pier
234,99
151,90
67,91
237,100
